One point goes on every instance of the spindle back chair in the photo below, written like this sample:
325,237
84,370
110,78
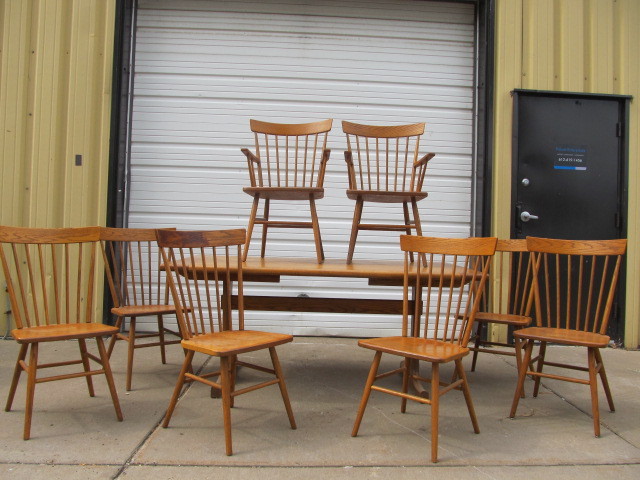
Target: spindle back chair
289,164
508,299
138,289
436,323
51,277
574,290
383,167
199,269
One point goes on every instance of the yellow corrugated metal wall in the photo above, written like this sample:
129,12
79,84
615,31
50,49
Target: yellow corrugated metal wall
55,88
55,97
588,46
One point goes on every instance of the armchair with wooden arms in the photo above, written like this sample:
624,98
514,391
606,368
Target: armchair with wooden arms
383,167
288,164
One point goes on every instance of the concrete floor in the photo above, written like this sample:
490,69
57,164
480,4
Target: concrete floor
75,436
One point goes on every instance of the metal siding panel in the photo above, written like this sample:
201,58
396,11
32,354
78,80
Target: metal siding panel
595,49
55,90
203,71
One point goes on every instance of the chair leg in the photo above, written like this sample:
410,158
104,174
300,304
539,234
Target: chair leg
477,343
593,385
517,344
226,402
603,378
16,375
366,393
232,377
265,227
407,222
467,395
316,229
161,340
416,222
85,363
186,366
541,354
114,337
131,343
524,366
357,216
283,387
252,221
406,372
104,358
435,408
31,388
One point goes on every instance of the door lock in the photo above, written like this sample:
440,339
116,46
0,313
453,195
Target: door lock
526,216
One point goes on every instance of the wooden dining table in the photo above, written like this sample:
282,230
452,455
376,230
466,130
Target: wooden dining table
376,272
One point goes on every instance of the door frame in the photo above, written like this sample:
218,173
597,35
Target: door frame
617,323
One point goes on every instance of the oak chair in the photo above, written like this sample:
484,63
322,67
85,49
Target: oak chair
51,276
507,300
200,278
437,329
138,288
383,167
289,163
574,290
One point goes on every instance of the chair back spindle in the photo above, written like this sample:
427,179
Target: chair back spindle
206,300
575,282
384,157
50,274
291,155
133,261
448,280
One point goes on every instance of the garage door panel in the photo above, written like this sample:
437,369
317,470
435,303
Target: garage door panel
204,68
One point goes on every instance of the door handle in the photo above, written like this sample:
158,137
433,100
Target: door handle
526,216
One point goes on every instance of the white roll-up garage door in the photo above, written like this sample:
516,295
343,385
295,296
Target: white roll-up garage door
204,68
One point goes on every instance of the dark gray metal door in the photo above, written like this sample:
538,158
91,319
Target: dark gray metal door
569,167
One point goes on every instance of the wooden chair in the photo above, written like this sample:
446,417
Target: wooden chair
51,276
383,167
205,315
507,300
447,301
289,164
574,290
138,288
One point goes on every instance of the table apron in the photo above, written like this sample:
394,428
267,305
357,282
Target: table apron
327,305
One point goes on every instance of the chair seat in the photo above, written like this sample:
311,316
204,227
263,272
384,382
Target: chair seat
285,193
384,196
503,318
234,342
563,336
143,310
428,350
50,333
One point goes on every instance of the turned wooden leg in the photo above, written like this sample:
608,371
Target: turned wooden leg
366,393
357,216
186,366
252,221
283,387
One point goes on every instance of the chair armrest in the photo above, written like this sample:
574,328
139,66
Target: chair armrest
250,156
348,158
323,166
424,160
419,171
255,167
